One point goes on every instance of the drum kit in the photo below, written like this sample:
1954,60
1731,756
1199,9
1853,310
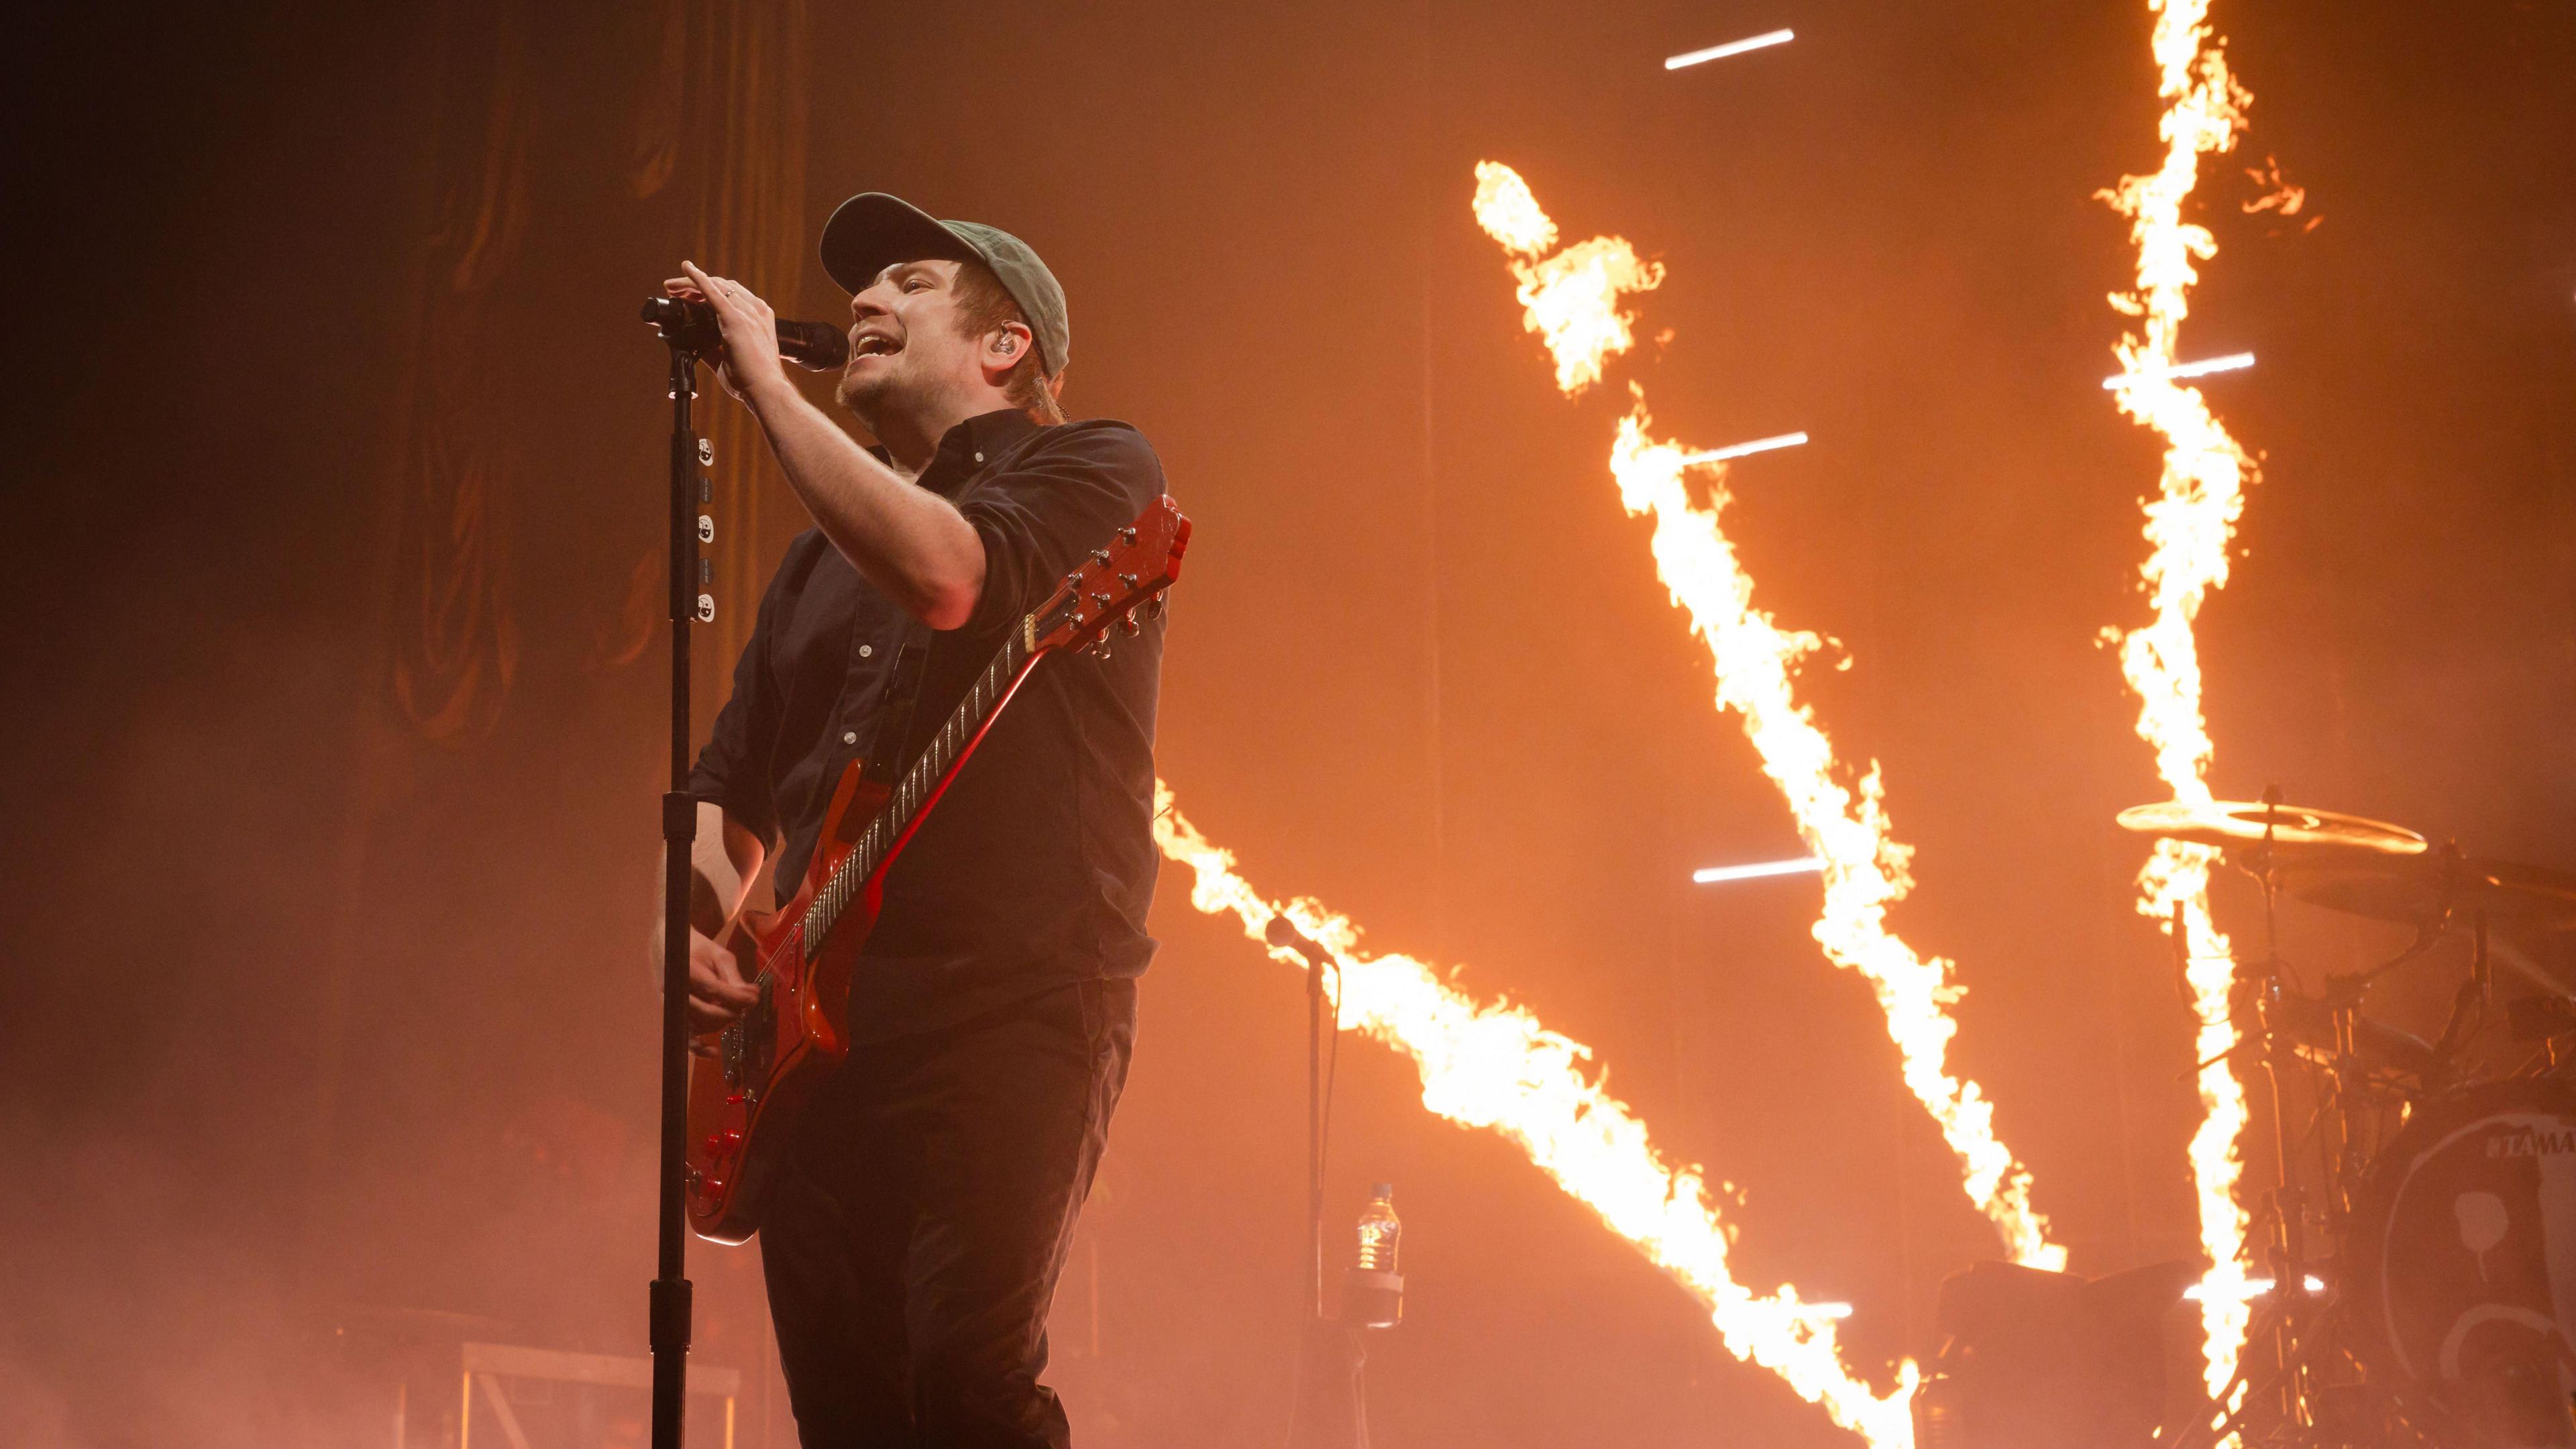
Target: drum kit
2420,1235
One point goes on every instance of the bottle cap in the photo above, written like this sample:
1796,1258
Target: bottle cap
1383,1189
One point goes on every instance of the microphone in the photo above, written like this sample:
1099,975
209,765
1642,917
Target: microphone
1283,932
691,327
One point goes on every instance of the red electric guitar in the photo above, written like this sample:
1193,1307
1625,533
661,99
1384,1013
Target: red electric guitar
744,1096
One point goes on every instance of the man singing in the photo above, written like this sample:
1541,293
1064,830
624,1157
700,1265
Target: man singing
912,1245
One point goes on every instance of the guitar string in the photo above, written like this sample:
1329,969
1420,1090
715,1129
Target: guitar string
834,897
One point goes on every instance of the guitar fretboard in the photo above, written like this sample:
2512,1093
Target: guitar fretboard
915,791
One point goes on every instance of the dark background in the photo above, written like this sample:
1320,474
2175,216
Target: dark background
334,683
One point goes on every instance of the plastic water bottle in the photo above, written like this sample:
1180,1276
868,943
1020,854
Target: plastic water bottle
1379,1231
1372,1291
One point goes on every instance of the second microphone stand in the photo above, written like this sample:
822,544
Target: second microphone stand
1330,1410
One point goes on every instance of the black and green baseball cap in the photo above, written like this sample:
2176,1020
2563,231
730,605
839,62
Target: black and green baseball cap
872,231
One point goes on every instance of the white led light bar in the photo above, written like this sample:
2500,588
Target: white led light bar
2254,1288
1758,445
1716,873
1732,47
2232,362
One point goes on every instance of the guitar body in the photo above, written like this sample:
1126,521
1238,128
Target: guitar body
745,1096
743,1099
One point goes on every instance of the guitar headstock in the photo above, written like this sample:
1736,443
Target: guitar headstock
1127,574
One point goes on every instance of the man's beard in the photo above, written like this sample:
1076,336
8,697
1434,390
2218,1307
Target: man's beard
866,397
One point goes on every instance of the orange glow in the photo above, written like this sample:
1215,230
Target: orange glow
2189,525
1842,819
1496,1067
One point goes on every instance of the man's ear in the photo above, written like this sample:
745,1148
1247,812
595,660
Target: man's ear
1003,348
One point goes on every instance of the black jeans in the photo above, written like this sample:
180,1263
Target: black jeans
912,1247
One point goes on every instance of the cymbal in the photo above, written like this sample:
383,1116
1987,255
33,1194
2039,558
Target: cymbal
2292,827
2414,891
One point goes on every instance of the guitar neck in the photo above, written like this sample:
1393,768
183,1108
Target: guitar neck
921,785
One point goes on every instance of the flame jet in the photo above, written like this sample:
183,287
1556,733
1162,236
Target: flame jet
2189,524
1496,1067
1571,299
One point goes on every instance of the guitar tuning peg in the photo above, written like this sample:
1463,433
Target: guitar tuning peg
1100,556
1127,621
1154,607
1127,535
1099,647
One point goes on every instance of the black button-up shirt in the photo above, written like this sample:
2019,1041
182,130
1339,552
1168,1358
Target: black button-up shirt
1037,866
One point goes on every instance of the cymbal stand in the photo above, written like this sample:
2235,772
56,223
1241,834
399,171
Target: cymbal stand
2286,1254
2474,1001
2295,1320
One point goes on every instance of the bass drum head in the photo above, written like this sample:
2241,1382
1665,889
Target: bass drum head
2461,1268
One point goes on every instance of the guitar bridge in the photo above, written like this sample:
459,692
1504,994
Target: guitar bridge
730,1050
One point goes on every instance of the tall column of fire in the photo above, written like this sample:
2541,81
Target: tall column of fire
2190,522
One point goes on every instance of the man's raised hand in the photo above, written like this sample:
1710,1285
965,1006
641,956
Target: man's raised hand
749,325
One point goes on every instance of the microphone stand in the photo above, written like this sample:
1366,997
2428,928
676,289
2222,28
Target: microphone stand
1315,1138
668,1329
1330,1407
690,330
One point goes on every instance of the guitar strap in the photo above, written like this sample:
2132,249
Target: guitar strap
894,722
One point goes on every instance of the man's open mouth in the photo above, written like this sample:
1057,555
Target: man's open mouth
870,344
